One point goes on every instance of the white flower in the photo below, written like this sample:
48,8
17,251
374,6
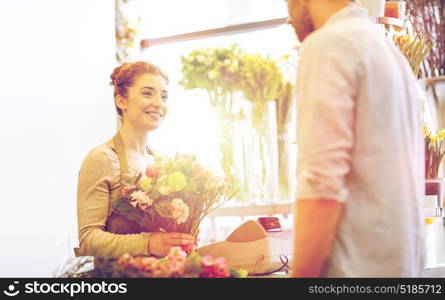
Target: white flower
183,218
232,69
179,210
212,75
133,202
208,61
200,58
142,199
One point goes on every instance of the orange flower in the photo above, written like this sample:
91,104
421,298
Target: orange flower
152,172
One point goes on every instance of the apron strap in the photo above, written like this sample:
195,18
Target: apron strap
126,176
120,150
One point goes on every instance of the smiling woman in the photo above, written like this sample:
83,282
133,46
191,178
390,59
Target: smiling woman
140,91
140,94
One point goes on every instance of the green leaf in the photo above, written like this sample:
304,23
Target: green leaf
124,207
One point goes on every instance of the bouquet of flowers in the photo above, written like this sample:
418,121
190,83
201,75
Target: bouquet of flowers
434,151
175,265
174,195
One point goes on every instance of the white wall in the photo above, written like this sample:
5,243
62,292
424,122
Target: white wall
55,61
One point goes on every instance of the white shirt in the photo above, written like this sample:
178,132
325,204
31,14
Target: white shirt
360,142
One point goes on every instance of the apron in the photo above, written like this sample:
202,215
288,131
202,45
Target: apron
115,222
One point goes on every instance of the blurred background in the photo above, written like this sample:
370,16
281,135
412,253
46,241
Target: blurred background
56,59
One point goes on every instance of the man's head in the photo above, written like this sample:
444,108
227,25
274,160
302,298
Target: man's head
308,15
300,18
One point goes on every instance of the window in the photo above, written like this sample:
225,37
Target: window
172,17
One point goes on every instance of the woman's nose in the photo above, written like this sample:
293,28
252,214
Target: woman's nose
157,100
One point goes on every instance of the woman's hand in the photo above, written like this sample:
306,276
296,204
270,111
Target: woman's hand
161,242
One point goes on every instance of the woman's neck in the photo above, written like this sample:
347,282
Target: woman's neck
134,140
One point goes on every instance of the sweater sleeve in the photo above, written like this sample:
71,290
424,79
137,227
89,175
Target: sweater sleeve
94,192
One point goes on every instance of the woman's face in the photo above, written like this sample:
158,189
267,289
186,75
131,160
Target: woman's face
146,103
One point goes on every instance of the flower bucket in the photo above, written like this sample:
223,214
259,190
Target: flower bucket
434,193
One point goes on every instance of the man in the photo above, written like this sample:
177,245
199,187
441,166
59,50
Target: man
360,148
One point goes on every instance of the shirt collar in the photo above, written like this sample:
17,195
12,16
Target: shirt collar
352,10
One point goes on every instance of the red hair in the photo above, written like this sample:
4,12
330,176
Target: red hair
124,76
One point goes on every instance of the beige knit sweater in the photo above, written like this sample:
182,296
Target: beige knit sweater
98,186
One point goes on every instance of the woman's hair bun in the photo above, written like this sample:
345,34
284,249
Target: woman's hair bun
115,75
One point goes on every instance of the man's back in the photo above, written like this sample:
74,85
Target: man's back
364,95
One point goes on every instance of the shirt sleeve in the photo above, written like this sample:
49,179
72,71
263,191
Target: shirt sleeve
325,116
93,203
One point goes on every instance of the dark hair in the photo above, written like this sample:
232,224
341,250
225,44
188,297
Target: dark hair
124,76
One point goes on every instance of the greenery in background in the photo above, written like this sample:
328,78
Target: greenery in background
261,78
223,72
216,70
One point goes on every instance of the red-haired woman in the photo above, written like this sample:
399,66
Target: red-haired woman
140,95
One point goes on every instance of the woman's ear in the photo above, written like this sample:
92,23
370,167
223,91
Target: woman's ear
121,102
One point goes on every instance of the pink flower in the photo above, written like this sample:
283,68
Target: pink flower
125,260
176,266
207,265
220,261
220,268
176,253
179,210
187,247
214,268
207,261
148,263
127,189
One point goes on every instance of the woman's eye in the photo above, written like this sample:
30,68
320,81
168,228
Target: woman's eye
164,98
148,93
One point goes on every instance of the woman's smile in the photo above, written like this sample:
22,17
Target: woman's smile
154,114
